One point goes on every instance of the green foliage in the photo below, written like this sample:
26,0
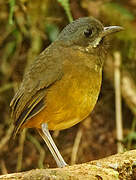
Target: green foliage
125,13
118,14
11,13
131,136
65,4
115,13
10,48
52,31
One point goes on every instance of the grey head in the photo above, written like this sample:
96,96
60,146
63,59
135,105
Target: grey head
86,32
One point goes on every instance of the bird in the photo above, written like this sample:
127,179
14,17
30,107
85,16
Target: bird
62,85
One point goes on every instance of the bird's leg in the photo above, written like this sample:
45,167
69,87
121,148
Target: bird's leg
44,132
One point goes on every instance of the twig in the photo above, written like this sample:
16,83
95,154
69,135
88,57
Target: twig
132,130
119,166
118,101
3,167
5,139
76,146
11,13
5,35
56,133
129,91
21,147
39,148
66,6
6,87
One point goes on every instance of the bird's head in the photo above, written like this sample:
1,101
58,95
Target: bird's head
86,33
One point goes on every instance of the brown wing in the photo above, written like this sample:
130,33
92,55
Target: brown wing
30,98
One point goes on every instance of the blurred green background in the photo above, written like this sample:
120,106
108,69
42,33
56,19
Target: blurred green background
26,28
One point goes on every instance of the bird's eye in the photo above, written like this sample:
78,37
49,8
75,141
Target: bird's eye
88,32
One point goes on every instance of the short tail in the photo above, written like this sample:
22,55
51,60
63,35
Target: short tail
12,137
14,133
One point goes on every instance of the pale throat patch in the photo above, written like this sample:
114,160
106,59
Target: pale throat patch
96,42
93,44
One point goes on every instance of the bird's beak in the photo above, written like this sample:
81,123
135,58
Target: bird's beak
111,29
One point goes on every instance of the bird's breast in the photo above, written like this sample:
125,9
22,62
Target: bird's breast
72,98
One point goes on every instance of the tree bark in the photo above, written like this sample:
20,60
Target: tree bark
120,166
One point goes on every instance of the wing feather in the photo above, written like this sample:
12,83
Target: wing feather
30,98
